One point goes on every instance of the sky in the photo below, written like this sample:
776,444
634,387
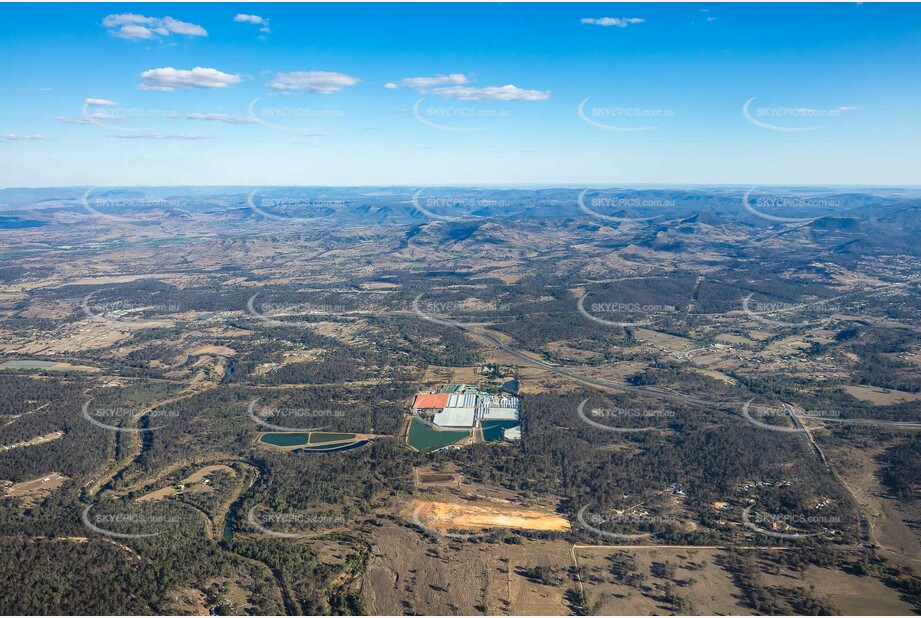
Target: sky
434,94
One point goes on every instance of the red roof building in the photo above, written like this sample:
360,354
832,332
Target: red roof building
426,401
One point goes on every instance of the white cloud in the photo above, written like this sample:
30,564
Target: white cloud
134,33
12,137
423,84
183,27
390,86
620,22
91,119
78,120
168,79
508,92
134,27
711,19
159,136
320,82
245,18
104,102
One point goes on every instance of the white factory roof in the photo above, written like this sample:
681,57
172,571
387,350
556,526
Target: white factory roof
512,433
462,400
455,417
495,413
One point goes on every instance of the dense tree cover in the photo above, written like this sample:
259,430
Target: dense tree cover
563,456
353,481
65,568
304,577
901,472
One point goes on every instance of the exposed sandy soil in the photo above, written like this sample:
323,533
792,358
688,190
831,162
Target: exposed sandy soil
482,516
200,475
218,350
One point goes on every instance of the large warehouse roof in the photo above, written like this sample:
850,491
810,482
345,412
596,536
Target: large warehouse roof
495,413
427,400
455,417
459,400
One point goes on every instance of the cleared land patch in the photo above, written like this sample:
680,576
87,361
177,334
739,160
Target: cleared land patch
466,516
32,492
880,396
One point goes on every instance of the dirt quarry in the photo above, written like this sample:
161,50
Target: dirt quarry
482,516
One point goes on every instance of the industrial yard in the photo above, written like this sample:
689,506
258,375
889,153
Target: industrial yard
451,415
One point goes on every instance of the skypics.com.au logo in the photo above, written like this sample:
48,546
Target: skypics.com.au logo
293,525
135,521
124,313
788,525
624,525
793,119
624,315
623,419
813,207
286,314
124,206
628,207
456,206
115,418
289,209
457,118
292,415
452,312
623,119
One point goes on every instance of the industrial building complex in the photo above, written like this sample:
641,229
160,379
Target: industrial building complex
459,407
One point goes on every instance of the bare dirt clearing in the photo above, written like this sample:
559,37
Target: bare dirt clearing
408,574
482,516
880,396
34,491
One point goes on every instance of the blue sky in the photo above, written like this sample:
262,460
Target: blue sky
331,94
